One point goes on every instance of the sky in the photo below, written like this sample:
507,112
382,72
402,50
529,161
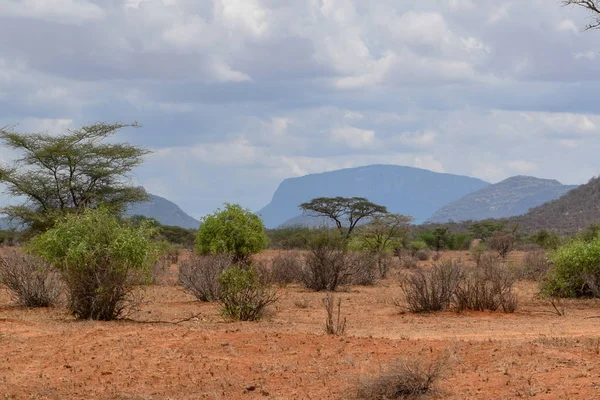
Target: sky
236,95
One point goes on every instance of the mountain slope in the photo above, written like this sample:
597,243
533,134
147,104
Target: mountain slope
406,190
164,211
568,214
511,197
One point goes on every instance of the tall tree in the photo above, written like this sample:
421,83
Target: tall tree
590,5
71,172
346,212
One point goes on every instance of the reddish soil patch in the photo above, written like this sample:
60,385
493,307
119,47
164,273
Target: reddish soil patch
46,355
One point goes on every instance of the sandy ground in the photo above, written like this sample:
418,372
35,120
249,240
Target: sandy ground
45,354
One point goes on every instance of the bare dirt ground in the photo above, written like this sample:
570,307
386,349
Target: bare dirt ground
45,354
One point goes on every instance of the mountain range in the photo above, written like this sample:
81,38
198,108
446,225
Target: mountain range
569,214
511,197
405,190
425,195
164,211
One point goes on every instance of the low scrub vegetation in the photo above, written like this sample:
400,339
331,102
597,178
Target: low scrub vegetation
575,270
535,266
334,324
404,379
199,275
488,286
100,260
286,268
30,281
242,294
433,289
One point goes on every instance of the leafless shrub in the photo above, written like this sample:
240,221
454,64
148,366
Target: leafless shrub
410,263
31,281
404,379
303,303
535,265
334,324
326,266
364,268
286,268
436,257
558,306
487,287
502,242
433,289
198,275
422,255
160,270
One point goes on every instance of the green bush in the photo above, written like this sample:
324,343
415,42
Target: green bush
235,231
575,270
242,294
100,259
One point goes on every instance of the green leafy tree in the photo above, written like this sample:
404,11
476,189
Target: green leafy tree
234,230
100,259
484,230
384,231
68,173
345,212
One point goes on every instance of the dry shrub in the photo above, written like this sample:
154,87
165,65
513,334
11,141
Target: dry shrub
432,289
534,266
160,269
30,281
502,242
422,255
199,275
436,257
334,324
404,379
488,286
410,263
243,295
286,268
364,268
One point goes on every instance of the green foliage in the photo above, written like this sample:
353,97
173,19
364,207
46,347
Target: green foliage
460,241
288,238
346,212
545,239
575,270
484,230
590,233
384,232
100,259
68,173
416,246
242,294
234,230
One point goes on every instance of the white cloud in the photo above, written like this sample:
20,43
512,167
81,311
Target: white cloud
567,25
354,138
70,11
523,167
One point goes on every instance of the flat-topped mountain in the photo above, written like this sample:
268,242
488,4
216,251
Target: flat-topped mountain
405,190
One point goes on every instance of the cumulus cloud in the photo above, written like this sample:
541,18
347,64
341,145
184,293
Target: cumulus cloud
236,95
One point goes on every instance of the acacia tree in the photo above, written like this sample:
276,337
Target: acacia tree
346,212
68,173
590,5
379,234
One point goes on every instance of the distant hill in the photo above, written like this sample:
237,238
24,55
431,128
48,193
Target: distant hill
405,190
568,214
164,211
511,197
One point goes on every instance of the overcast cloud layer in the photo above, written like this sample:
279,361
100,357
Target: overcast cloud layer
236,95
